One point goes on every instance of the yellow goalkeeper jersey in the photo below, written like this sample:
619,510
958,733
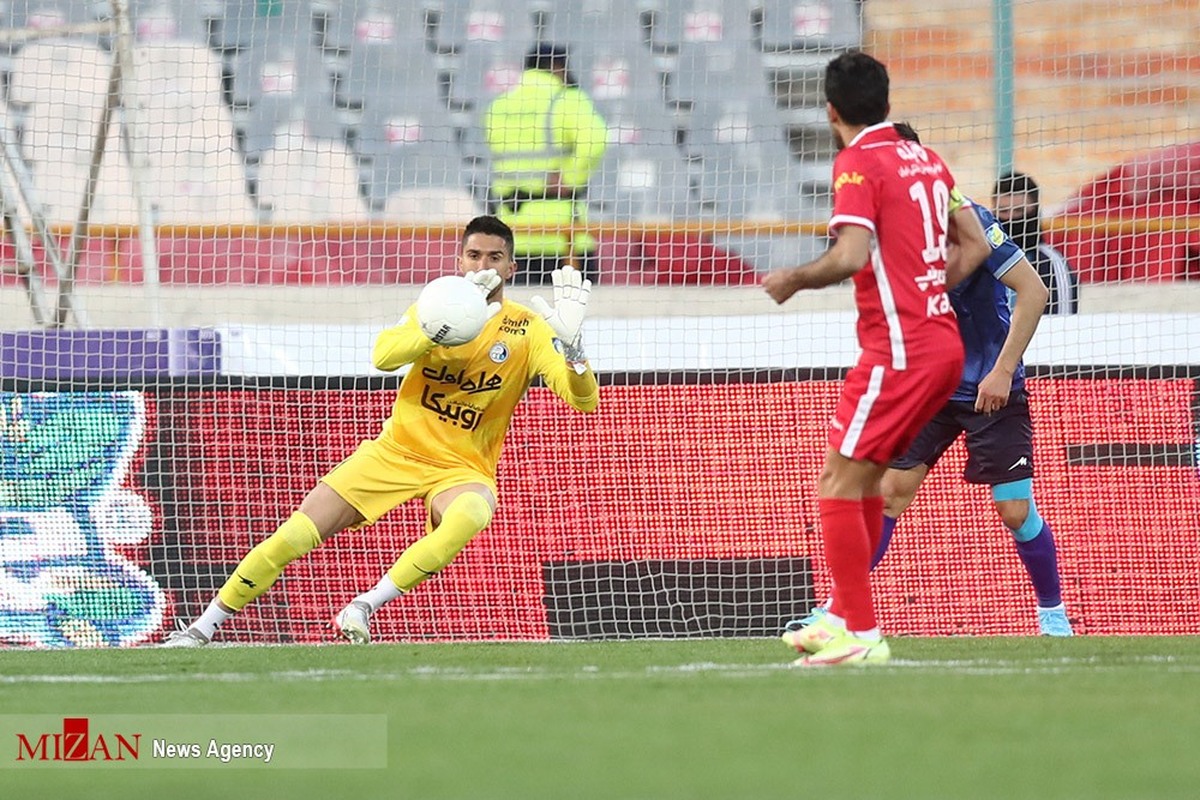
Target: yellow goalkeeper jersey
455,405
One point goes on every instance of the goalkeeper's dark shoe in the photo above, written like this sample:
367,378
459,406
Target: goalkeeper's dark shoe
353,623
184,637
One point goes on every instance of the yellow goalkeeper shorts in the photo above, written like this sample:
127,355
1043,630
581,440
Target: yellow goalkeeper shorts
378,476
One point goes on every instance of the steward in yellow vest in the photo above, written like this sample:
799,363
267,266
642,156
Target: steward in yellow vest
546,140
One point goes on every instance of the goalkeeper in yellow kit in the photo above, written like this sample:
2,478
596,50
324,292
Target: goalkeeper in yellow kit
442,441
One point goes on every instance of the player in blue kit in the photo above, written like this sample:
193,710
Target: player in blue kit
998,306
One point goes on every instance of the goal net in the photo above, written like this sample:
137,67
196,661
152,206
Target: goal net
211,208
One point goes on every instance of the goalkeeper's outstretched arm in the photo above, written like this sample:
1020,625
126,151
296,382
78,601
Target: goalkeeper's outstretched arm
568,373
401,344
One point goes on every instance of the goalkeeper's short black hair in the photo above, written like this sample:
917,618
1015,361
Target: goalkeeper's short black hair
492,227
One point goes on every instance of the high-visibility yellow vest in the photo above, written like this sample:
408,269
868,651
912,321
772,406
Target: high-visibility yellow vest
539,127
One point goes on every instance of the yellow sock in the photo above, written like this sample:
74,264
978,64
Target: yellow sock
466,516
263,565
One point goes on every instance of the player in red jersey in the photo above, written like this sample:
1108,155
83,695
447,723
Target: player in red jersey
896,213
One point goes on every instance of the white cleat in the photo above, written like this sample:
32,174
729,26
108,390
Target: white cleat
184,637
353,623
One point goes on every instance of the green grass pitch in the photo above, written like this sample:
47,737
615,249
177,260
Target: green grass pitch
1088,717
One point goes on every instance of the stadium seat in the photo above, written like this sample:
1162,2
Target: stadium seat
642,181
165,20
793,26
743,165
339,25
271,80
303,179
600,22
401,149
622,79
454,23
706,72
670,23
483,71
236,25
385,72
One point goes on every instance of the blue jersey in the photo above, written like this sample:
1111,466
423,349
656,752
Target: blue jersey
984,312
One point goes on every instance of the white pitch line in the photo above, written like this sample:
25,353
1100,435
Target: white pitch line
985,666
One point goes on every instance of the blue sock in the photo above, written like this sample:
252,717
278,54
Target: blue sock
889,525
1041,562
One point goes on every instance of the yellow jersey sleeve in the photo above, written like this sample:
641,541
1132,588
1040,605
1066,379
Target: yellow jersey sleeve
455,404
401,344
577,388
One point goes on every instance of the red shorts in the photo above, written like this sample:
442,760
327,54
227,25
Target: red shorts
881,410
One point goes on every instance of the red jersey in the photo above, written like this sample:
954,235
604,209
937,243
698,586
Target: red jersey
900,191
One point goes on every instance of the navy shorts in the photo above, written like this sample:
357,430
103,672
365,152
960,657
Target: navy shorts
999,447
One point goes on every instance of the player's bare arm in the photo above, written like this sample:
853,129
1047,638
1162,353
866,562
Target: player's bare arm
849,254
967,245
1031,299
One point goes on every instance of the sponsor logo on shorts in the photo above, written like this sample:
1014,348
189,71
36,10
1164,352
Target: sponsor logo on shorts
1023,461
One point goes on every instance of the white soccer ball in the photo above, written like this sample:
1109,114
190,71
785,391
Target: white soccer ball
451,310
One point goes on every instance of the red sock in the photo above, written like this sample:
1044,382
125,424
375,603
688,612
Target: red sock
848,553
873,516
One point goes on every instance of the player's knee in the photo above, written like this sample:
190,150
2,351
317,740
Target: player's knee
1014,503
1013,513
475,510
466,516
895,499
299,534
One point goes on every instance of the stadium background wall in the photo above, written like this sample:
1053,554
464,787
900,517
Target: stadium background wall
683,508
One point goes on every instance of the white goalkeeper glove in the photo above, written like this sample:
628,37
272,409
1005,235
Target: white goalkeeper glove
487,280
571,294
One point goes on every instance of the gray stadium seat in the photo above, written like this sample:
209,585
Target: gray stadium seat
270,83
400,150
166,20
621,79
717,71
454,23
339,25
603,23
235,25
645,180
485,70
670,23
379,72
741,160
787,26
